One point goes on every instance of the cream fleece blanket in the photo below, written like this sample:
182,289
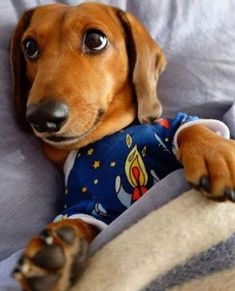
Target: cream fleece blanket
188,244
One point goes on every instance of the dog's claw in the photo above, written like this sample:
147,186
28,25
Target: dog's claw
217,199
195,186
230,194
22,267
205,183
46,236
16,273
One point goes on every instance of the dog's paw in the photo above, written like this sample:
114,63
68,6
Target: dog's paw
209,162
54,260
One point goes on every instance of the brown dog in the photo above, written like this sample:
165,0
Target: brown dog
82,73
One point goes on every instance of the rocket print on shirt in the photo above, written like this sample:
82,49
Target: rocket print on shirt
108,176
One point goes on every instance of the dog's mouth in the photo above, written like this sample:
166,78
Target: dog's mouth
63,140
55,139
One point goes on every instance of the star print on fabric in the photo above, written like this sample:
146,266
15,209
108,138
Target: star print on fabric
66,191
96,181
84,189
65,206
112,164
96,165
90,151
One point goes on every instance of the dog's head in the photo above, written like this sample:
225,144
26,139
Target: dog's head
82,68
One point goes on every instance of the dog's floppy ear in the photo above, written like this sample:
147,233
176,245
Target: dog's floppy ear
147,62
21,84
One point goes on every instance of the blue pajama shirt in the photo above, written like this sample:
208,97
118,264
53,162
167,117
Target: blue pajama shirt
108,176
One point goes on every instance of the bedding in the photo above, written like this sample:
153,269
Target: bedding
188,244
198,39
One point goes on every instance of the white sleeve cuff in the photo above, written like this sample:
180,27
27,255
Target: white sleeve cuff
215,125
90,220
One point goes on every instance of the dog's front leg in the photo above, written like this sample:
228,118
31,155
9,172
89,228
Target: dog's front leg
55,258
209,161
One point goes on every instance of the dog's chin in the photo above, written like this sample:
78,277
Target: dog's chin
66,139
60,141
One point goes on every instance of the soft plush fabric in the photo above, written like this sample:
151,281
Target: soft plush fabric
188,244
198,39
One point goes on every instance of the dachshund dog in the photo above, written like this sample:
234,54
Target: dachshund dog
81,74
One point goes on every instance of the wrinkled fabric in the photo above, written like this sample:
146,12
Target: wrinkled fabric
198,40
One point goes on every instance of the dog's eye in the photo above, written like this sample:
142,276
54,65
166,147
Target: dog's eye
31,48
95,40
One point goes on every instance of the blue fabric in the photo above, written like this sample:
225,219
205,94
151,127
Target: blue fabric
110,175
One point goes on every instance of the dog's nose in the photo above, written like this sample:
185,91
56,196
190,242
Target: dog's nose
48,116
